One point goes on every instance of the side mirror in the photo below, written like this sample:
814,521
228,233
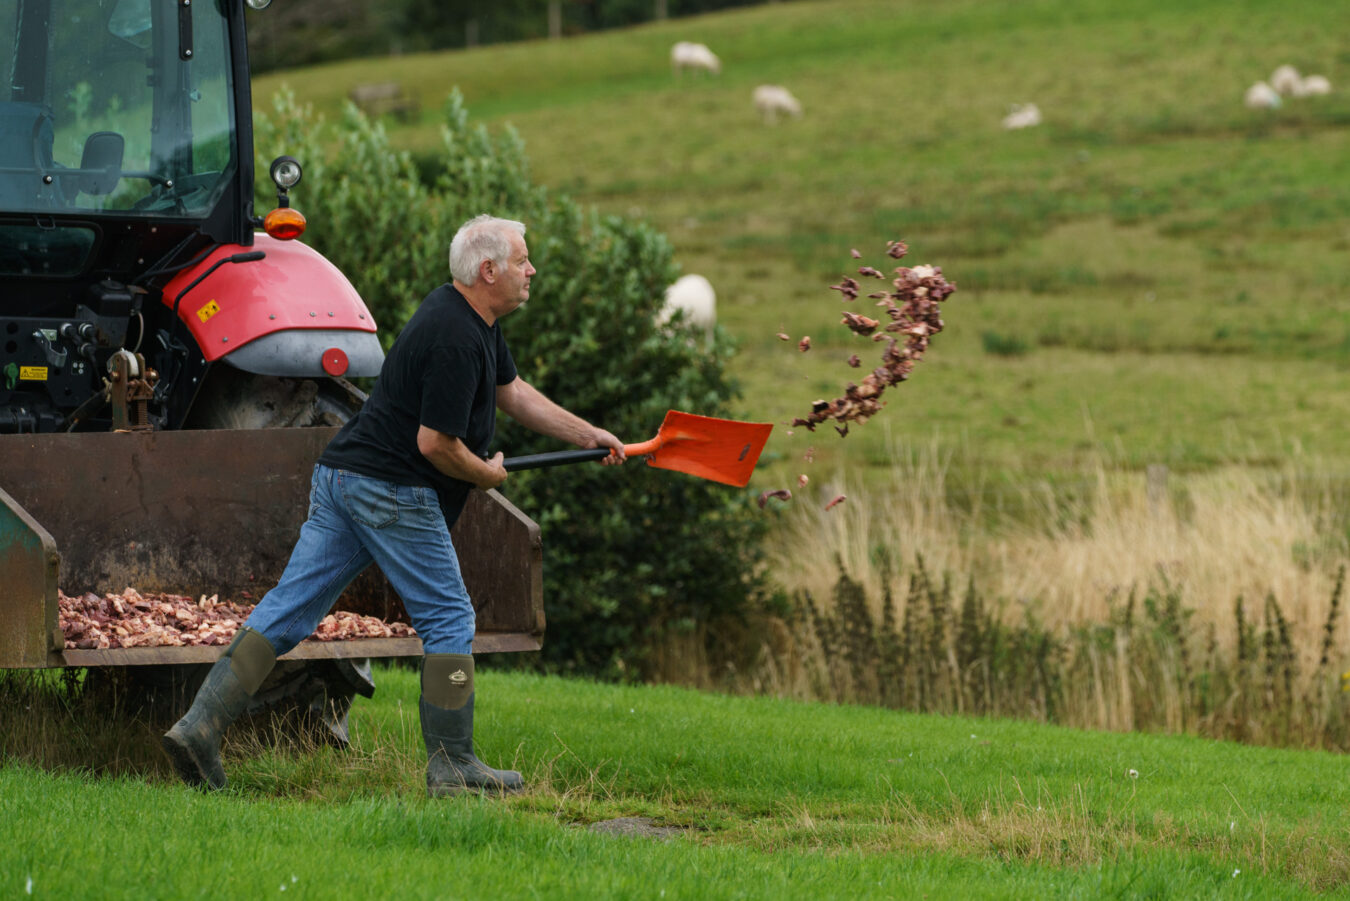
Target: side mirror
102,162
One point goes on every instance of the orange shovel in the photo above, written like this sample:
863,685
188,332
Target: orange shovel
722,450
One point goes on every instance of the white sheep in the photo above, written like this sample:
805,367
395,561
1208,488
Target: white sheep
686,55
1261,96
772,99
695,296
1023,115
1315,84
1286,80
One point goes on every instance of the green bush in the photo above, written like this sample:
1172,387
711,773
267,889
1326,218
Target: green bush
630,552
1003,345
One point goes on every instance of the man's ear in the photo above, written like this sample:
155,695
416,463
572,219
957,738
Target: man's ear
487,272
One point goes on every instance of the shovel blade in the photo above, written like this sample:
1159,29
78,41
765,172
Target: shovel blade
720,450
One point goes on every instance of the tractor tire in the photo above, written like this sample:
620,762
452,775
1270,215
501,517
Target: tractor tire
311,698
233,399
307,700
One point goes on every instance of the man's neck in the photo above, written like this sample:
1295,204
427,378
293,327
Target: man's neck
477,299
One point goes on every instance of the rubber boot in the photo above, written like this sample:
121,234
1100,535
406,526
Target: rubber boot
193,744
447,727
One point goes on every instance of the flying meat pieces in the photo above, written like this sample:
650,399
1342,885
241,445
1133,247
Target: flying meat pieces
912,308
157,619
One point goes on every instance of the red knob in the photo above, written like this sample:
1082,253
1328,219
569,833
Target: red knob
335,361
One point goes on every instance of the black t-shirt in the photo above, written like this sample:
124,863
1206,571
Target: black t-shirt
442,373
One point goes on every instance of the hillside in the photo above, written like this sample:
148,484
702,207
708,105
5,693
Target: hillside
1153,271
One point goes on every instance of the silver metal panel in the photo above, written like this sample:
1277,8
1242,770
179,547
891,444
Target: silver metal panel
299,352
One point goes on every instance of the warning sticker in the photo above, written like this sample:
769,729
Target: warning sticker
33,373
206,312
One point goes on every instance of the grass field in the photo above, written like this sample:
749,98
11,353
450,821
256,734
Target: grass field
772,799
1156,271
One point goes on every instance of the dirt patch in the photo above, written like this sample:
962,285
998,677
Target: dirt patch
640,827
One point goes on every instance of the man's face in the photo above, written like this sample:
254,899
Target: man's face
513,278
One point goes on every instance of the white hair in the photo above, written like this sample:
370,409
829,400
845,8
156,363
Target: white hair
481,238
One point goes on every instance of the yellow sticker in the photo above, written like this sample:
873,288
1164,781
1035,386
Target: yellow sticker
206,312
33,373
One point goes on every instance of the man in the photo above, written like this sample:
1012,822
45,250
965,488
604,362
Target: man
387,489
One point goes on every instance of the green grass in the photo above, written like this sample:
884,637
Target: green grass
1153,238
778,799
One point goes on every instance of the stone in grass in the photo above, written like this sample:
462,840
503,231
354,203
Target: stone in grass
642,827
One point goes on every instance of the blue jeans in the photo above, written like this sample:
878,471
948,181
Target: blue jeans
354,520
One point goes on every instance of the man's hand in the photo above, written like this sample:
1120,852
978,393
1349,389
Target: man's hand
496,473
601,438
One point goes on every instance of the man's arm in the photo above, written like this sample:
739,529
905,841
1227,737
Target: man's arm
453,457
528,406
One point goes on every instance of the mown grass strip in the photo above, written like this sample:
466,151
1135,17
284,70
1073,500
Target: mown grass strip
777,797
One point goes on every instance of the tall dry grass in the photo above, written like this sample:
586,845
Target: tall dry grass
1205,603
1069,553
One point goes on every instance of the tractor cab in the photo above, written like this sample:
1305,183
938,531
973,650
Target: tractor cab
126,182
121,121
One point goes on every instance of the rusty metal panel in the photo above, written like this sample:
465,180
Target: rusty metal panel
28,573
190,512
306,650
218,512
483,643
501,554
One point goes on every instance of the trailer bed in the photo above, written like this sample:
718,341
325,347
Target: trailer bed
213,512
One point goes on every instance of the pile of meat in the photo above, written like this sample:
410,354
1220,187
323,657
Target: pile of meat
912,307
156,619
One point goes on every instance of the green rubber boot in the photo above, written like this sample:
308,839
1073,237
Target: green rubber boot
447,727
193,744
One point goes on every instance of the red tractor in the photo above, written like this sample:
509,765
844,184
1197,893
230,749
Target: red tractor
161,346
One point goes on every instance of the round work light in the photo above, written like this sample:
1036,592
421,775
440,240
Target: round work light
286,172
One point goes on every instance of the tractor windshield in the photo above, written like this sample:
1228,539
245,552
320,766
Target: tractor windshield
115,107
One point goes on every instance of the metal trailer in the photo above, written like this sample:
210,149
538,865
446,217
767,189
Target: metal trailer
217,512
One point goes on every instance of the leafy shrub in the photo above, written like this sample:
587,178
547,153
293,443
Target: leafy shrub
628,552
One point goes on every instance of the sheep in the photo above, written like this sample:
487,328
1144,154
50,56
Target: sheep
694,295
1315,84
1286,80
686,55
1261,96
1022,116
772,99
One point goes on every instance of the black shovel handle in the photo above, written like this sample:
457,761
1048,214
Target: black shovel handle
555,458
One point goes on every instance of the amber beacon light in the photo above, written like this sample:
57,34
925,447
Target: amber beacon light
284,223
